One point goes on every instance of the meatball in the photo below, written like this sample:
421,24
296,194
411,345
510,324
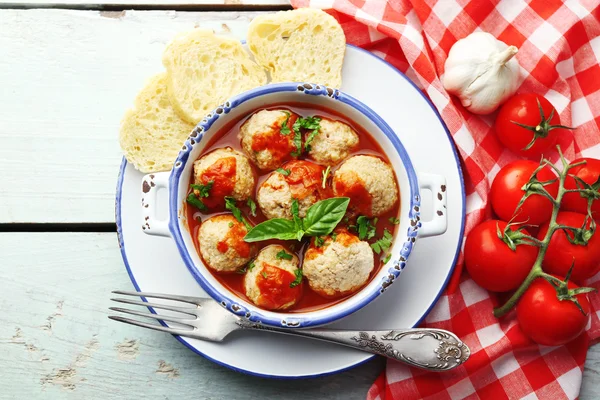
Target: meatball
333,143
271,282
222,244
340,266
230,173
268,138
300,180
370,184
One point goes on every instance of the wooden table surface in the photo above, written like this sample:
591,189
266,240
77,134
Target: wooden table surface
68,71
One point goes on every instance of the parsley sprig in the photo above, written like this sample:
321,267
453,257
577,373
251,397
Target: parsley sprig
313,124
285,129
199,192
365,227
298,279
284,255
384,243
231,205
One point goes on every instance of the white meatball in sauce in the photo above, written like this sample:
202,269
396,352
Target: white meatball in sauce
226,172
339,266
300,180
222,245
333,143
267,137
272,281
370,184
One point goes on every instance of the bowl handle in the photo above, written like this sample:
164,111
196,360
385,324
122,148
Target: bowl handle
151,225
439,222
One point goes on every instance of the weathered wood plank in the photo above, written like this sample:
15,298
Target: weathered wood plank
57,343
67,79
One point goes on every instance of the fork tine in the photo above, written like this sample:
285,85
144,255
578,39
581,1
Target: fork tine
186,299
173,331
185,310
185,321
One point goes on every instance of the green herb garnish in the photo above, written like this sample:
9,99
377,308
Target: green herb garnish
309,123
319,241
321,219
285,129
365,227
298,279
264,274
334,236
387,258
384,243
394,220
252,206
284,172
325,175
231,224
283,255
203,190
231,205
198,192
196,202
251,265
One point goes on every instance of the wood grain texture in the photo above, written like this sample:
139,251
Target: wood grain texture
58,343
67,79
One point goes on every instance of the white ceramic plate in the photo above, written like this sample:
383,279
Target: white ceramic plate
154,264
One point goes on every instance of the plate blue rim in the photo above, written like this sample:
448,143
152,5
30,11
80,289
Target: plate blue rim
462,229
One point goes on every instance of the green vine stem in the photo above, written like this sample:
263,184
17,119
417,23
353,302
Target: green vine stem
536,187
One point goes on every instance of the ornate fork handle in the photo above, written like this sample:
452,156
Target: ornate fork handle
430,349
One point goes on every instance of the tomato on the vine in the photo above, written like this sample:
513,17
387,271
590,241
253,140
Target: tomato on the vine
490,261
507,191
561,253
590,174
548,320
525,117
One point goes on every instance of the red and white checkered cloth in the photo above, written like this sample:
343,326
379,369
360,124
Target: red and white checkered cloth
559,55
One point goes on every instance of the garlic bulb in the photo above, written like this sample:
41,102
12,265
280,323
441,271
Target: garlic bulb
482,72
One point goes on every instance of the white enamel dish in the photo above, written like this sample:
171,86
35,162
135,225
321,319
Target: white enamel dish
410,228
154,263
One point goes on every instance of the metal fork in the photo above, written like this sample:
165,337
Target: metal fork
430,349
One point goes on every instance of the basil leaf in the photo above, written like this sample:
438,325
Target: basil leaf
277,228
323,216
296,217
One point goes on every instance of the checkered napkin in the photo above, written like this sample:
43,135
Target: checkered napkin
559,55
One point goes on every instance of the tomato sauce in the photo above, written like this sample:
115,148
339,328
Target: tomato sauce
222,175
299,178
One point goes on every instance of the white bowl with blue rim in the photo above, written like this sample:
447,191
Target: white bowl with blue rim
410,228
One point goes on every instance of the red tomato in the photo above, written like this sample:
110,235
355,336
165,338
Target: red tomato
547,320
523,109
491,263
589,173
561,253
507,192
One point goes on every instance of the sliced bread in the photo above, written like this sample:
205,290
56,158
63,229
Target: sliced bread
152,133
303,45
204,70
